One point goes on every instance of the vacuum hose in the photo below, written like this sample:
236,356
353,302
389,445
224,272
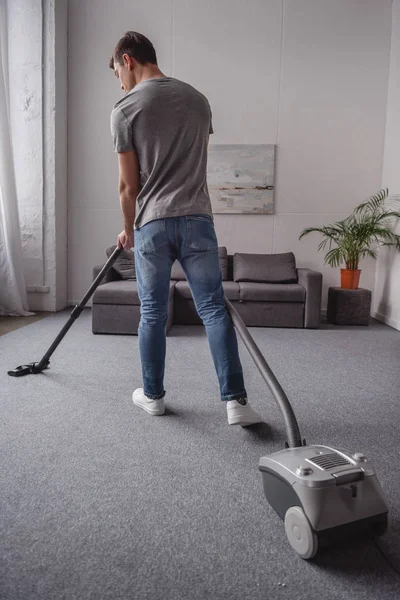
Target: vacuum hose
292,427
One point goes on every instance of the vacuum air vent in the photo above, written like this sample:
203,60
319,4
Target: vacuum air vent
329,461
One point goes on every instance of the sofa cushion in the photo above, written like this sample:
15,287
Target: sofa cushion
117,292
178,274
120,292
231,290
223,261
125,263
265,268
272,292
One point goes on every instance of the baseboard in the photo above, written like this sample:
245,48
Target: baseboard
395,323
38,289
71,303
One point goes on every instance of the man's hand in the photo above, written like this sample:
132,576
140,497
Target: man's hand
125,240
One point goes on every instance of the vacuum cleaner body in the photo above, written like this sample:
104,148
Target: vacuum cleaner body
323,494
337,495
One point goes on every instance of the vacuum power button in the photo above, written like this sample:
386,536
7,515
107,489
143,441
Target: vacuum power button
303,471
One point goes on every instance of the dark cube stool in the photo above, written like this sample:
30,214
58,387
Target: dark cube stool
349,307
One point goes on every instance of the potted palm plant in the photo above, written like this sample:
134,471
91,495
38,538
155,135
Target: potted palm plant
369,226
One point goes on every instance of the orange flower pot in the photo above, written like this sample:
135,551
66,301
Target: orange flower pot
350,279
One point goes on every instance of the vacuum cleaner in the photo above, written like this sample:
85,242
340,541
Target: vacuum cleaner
323,494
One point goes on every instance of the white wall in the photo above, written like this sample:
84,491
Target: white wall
55,151
307,75
387,289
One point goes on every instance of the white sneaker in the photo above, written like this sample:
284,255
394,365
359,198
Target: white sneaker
241,413
153,407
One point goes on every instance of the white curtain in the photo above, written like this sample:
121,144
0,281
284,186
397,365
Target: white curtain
13,300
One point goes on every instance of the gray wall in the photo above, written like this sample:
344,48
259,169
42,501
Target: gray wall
387,290
307,75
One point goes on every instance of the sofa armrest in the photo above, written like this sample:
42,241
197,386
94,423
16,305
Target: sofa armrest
312,282
111,275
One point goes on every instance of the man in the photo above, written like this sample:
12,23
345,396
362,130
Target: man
161,131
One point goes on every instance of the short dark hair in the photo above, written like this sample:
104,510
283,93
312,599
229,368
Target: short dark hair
137,46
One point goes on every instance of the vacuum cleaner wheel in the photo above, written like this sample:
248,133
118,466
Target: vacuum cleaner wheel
300,534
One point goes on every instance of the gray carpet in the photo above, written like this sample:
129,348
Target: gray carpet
101,501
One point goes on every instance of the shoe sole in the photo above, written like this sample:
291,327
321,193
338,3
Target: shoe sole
155,412
242,421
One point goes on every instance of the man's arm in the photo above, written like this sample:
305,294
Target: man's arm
129,188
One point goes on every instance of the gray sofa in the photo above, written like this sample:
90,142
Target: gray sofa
266,289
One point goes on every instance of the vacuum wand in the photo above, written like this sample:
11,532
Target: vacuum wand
38,367
292,427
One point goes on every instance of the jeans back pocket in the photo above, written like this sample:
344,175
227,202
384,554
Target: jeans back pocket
200,233
151,237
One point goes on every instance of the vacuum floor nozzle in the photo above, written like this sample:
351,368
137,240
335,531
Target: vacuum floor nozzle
30,368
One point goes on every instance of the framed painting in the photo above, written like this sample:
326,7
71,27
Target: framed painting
241,178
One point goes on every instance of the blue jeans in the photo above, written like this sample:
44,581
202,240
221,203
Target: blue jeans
191,240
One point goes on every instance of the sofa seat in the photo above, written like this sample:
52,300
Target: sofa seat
291,299
231,290
116,307
119,292
271,292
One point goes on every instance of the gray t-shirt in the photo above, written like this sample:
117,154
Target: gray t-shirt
167,122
